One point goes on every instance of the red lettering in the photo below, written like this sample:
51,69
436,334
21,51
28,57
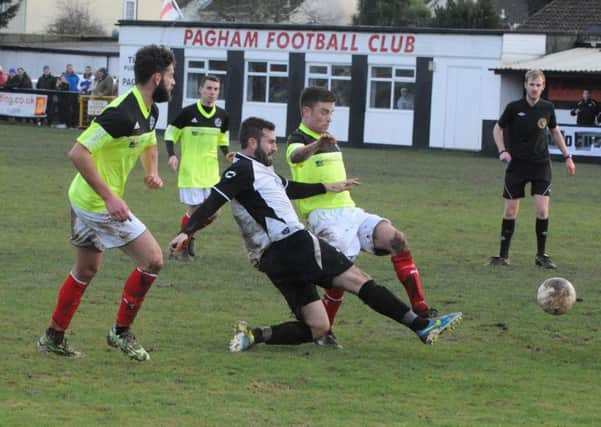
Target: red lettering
236,40
188,34
370,42
410,44
399,44
298,39
197,38
320,42
310,40
210,37
354,46
333,43
382,42
252,39
223,38
270,38
343,46
282,40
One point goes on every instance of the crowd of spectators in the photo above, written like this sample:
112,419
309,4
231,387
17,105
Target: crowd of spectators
63,90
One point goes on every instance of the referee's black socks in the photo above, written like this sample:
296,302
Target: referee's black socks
507,228
380,299
542,227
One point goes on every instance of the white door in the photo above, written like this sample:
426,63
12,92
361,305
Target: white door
462,127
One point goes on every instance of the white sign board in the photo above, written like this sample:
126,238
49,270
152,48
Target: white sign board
17,104
580,140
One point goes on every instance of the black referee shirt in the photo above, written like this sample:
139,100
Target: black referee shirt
528,129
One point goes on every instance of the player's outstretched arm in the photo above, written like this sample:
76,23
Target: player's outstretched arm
338,187
150,162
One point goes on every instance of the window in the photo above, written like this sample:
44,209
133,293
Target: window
267,81
336,78
130,9
197,68
391,88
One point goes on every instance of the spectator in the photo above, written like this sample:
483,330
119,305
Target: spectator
48,82
85,83
63,99
13,80
103,84
405,101
24,79
586,110
3,77
71,102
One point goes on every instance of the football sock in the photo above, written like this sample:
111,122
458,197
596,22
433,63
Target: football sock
332,299
136,286
288,333
507,228
380,299
408,275
69,297
55,336
542,226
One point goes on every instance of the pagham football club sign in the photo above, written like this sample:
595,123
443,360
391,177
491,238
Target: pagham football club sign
17,104
580,140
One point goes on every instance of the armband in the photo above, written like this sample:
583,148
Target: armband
567,156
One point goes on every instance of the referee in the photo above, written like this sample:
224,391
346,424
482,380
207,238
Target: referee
528,160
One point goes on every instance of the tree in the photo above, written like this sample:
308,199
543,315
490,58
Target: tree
75,18
467,14
12,7
337,12
249,10
392,13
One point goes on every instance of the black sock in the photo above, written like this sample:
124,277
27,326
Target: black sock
120,329
542,226
55,336
507,228
288,333
380,299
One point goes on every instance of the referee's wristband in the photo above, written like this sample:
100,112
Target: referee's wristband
567,156
502,151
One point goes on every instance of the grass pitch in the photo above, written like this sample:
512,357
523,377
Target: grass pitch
508,363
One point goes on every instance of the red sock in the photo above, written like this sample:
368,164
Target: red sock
407,273
136,286
332,299
67,302
185,220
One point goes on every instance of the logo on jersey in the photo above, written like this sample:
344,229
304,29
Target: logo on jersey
542,123
521,114
194,120
229,174
218,122
137,126
152,122
132,143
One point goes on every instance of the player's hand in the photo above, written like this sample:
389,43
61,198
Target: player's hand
178,244
117,209
230,155
173,163
337,187
326,140
505,157
570,167
153,181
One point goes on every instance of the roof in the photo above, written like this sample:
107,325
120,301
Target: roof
565,15
580,60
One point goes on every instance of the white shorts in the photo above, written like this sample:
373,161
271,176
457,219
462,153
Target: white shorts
97,229
193,196
350,230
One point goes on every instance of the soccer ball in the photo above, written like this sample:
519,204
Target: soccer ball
556,295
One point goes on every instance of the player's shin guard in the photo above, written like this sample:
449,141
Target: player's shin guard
288,333
380,299
137,285
408,275
332,299
69,297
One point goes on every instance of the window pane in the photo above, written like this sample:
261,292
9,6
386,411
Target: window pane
217,65
403,96
318,82
222,88
381,71
342,90
404,72
318,69
130,10
341,70
196,64
257,67
192,84
380,95
255,90
278,68
278,89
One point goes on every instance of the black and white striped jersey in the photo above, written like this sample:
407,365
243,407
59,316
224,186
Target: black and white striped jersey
260,203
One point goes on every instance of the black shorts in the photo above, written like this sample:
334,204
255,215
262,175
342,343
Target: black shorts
519,173
299,262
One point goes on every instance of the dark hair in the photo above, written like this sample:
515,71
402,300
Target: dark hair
253,128
151,59
314,94
206,78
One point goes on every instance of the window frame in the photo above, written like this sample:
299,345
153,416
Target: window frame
135,5
268,74
329,76
205,70
393,80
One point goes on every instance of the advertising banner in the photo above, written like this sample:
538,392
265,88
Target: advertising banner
17,104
